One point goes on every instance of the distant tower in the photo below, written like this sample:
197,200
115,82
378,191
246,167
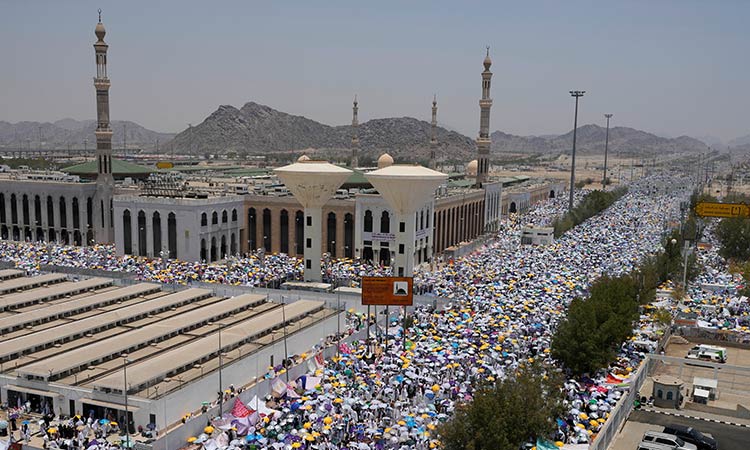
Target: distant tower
355,135
433,135
483,141
105,183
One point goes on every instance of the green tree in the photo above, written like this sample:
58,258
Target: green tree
508,413
734,236
595,328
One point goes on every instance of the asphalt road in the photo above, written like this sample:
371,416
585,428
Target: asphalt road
729,437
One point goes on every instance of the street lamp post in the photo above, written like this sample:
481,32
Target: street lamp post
577,95
221,385
606,147
286,350
125,391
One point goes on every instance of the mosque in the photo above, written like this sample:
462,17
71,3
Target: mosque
98,202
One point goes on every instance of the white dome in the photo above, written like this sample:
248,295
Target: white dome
303,158
471,168
385,160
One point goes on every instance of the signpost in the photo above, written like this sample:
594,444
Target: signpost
388,291
714,209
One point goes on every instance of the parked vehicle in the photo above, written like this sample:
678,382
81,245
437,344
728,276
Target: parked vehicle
708,353
668,439
690,434
655,446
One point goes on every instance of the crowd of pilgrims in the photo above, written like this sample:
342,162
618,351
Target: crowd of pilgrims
505,301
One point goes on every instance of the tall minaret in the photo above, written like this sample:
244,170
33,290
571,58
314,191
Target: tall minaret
483,141
103,229
355,135
433,135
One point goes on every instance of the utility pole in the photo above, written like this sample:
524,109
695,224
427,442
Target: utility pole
577,95
125,140
606,147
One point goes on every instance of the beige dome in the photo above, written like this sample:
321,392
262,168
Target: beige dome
303,158
385,160
471,168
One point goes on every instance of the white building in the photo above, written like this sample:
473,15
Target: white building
190,229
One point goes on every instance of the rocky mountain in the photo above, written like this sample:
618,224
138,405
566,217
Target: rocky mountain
591,139
742,141
258,129
70,132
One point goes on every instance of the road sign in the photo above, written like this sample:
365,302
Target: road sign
387,291
714,209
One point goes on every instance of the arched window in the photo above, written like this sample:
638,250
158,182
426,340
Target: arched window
331,233
142,250
76,215
368,221
252,230
224,216
659,394
299,232
50,212
385,222
670,395
127,233
204,219
213,249
203,249
63,213
348,236
267,231
14,209
223,249
233,245
284,231
214,218
156,227
25,209
234,215
37,211
172,235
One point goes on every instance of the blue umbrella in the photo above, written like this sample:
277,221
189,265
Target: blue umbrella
103,421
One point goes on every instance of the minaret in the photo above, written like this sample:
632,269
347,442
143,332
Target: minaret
483,141
355,135
433,135
103,229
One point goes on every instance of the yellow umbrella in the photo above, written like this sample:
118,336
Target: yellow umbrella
208,430
192,439
52,430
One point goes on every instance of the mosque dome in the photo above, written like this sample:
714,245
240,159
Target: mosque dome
303,158
471,168
487,61
385,160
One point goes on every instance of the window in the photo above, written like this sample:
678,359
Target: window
224,216
308,243
234,215
308,264
368,221
401,227
400,249
214,218
309,221
204,219
659,394
670,395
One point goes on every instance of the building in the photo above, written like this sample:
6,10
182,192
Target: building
192,228
531,235
73,357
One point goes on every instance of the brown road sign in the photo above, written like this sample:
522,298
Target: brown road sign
387,291
714,209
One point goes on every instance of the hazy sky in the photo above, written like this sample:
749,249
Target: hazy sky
670,67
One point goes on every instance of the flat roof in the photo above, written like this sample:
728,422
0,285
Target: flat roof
158,367
118,344
49,336
18,284
6,274
50,292
51,312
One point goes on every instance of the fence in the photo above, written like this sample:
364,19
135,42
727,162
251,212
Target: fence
622,410
712,336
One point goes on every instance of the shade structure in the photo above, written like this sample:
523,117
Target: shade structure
406,188
312,183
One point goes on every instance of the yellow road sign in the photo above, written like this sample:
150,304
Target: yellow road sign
713,209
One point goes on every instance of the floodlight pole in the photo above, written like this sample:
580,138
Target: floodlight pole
221,386
577,95
606,147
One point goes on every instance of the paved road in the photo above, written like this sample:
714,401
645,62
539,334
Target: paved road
729,437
